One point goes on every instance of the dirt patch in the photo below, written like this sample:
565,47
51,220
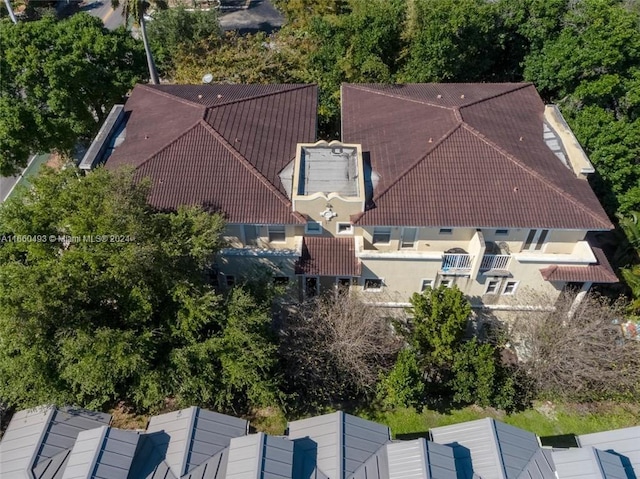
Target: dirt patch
122,417
55,161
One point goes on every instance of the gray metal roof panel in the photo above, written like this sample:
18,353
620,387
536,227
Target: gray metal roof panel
610,465
344,442
21,441
442,462
36,435
324,432
479,439
195,435
376,467
540,466
625,442
102,453
362,439
260,456
516,447
52,468
214,468
588,463
408,460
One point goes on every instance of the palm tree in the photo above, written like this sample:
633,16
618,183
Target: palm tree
137,9
12,15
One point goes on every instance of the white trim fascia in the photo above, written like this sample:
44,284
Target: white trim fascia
400,254
526,257
513,307
493,307
260,253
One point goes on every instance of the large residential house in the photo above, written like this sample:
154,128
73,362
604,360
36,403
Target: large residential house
481,186
193,443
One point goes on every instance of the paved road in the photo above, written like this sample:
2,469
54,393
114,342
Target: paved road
111,18
259,15
8,184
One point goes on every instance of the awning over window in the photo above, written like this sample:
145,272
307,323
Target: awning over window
600,272
328,257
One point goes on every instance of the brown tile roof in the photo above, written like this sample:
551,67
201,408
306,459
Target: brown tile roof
464,155
328,257
221,146
595,273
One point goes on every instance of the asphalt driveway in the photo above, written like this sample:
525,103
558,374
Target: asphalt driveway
250,16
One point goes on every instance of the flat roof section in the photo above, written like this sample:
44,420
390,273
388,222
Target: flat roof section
329,169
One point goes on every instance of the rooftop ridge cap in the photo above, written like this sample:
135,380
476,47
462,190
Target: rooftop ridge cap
98,452
168,144
173,97
516,87
494,433
358,86
414,165
250,167
195,412
532,172
50,412
295,87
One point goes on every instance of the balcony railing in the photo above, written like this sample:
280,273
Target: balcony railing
494,261
456,263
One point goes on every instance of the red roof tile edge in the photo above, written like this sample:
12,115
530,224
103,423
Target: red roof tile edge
328,257
601,272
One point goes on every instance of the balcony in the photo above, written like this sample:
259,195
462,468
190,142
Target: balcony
495,262
456,263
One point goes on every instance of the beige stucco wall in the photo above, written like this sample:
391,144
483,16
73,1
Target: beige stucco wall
428,239
403,275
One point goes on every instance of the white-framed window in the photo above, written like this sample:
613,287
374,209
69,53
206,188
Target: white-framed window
277,234
493,286
446,231
409,236
373,284
344,228
425,283
535,240
381,235
446,282
510,287
313,228
502,232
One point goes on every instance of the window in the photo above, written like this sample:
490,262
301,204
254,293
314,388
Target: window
535,240
281,280
502,232
446,231
493,286
313,228
381,235
510,287
409,237
343,285
426,283
277,234
311,286
373,284
230,281
345,228
447,283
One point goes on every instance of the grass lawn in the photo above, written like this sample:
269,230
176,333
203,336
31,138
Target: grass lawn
545,419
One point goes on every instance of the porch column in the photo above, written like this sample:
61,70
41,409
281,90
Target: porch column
579,297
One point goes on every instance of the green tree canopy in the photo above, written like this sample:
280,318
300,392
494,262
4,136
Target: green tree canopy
176,31
59,81
439,321
107,299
